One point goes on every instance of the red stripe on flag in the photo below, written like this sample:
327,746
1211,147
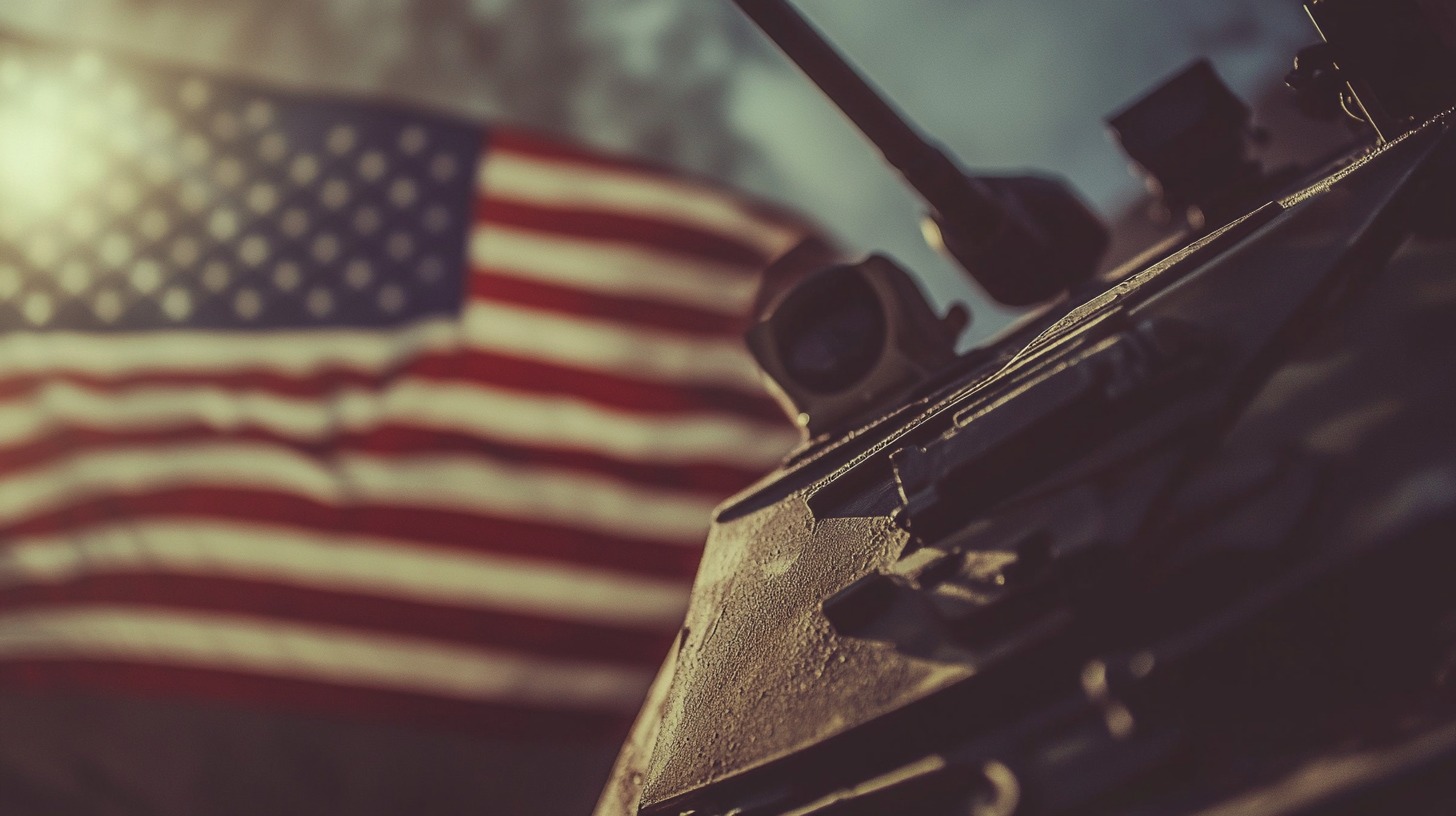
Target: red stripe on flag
705,478
540,146
537,377
409,526
502,287
278,600
485,369
596,225
545,148
271,693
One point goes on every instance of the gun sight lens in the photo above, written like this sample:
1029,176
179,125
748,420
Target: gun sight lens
834,331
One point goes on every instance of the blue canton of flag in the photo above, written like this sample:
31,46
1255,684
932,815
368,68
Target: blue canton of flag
168,200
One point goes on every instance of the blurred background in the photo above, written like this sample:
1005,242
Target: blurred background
1006,84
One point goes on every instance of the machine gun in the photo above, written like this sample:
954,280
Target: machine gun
1184,544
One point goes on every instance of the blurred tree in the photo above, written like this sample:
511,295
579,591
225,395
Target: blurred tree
650,77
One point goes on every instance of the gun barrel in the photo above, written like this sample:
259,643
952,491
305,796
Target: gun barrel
1025,240
926,167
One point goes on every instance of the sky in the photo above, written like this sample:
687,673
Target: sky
1008,85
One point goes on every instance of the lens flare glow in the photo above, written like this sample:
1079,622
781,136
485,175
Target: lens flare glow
40,151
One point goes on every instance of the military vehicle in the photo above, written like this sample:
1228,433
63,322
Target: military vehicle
1182,543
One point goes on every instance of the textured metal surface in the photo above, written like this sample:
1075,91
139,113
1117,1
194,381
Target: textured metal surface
1316,413
1181,547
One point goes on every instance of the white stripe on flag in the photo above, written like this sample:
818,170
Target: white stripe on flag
298,353
614,268
491,414
544,182
596,345
318,653
609,347
380,567
443,482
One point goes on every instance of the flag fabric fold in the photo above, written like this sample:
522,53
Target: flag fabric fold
344,411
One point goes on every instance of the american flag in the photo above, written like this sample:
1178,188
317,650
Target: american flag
348,408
